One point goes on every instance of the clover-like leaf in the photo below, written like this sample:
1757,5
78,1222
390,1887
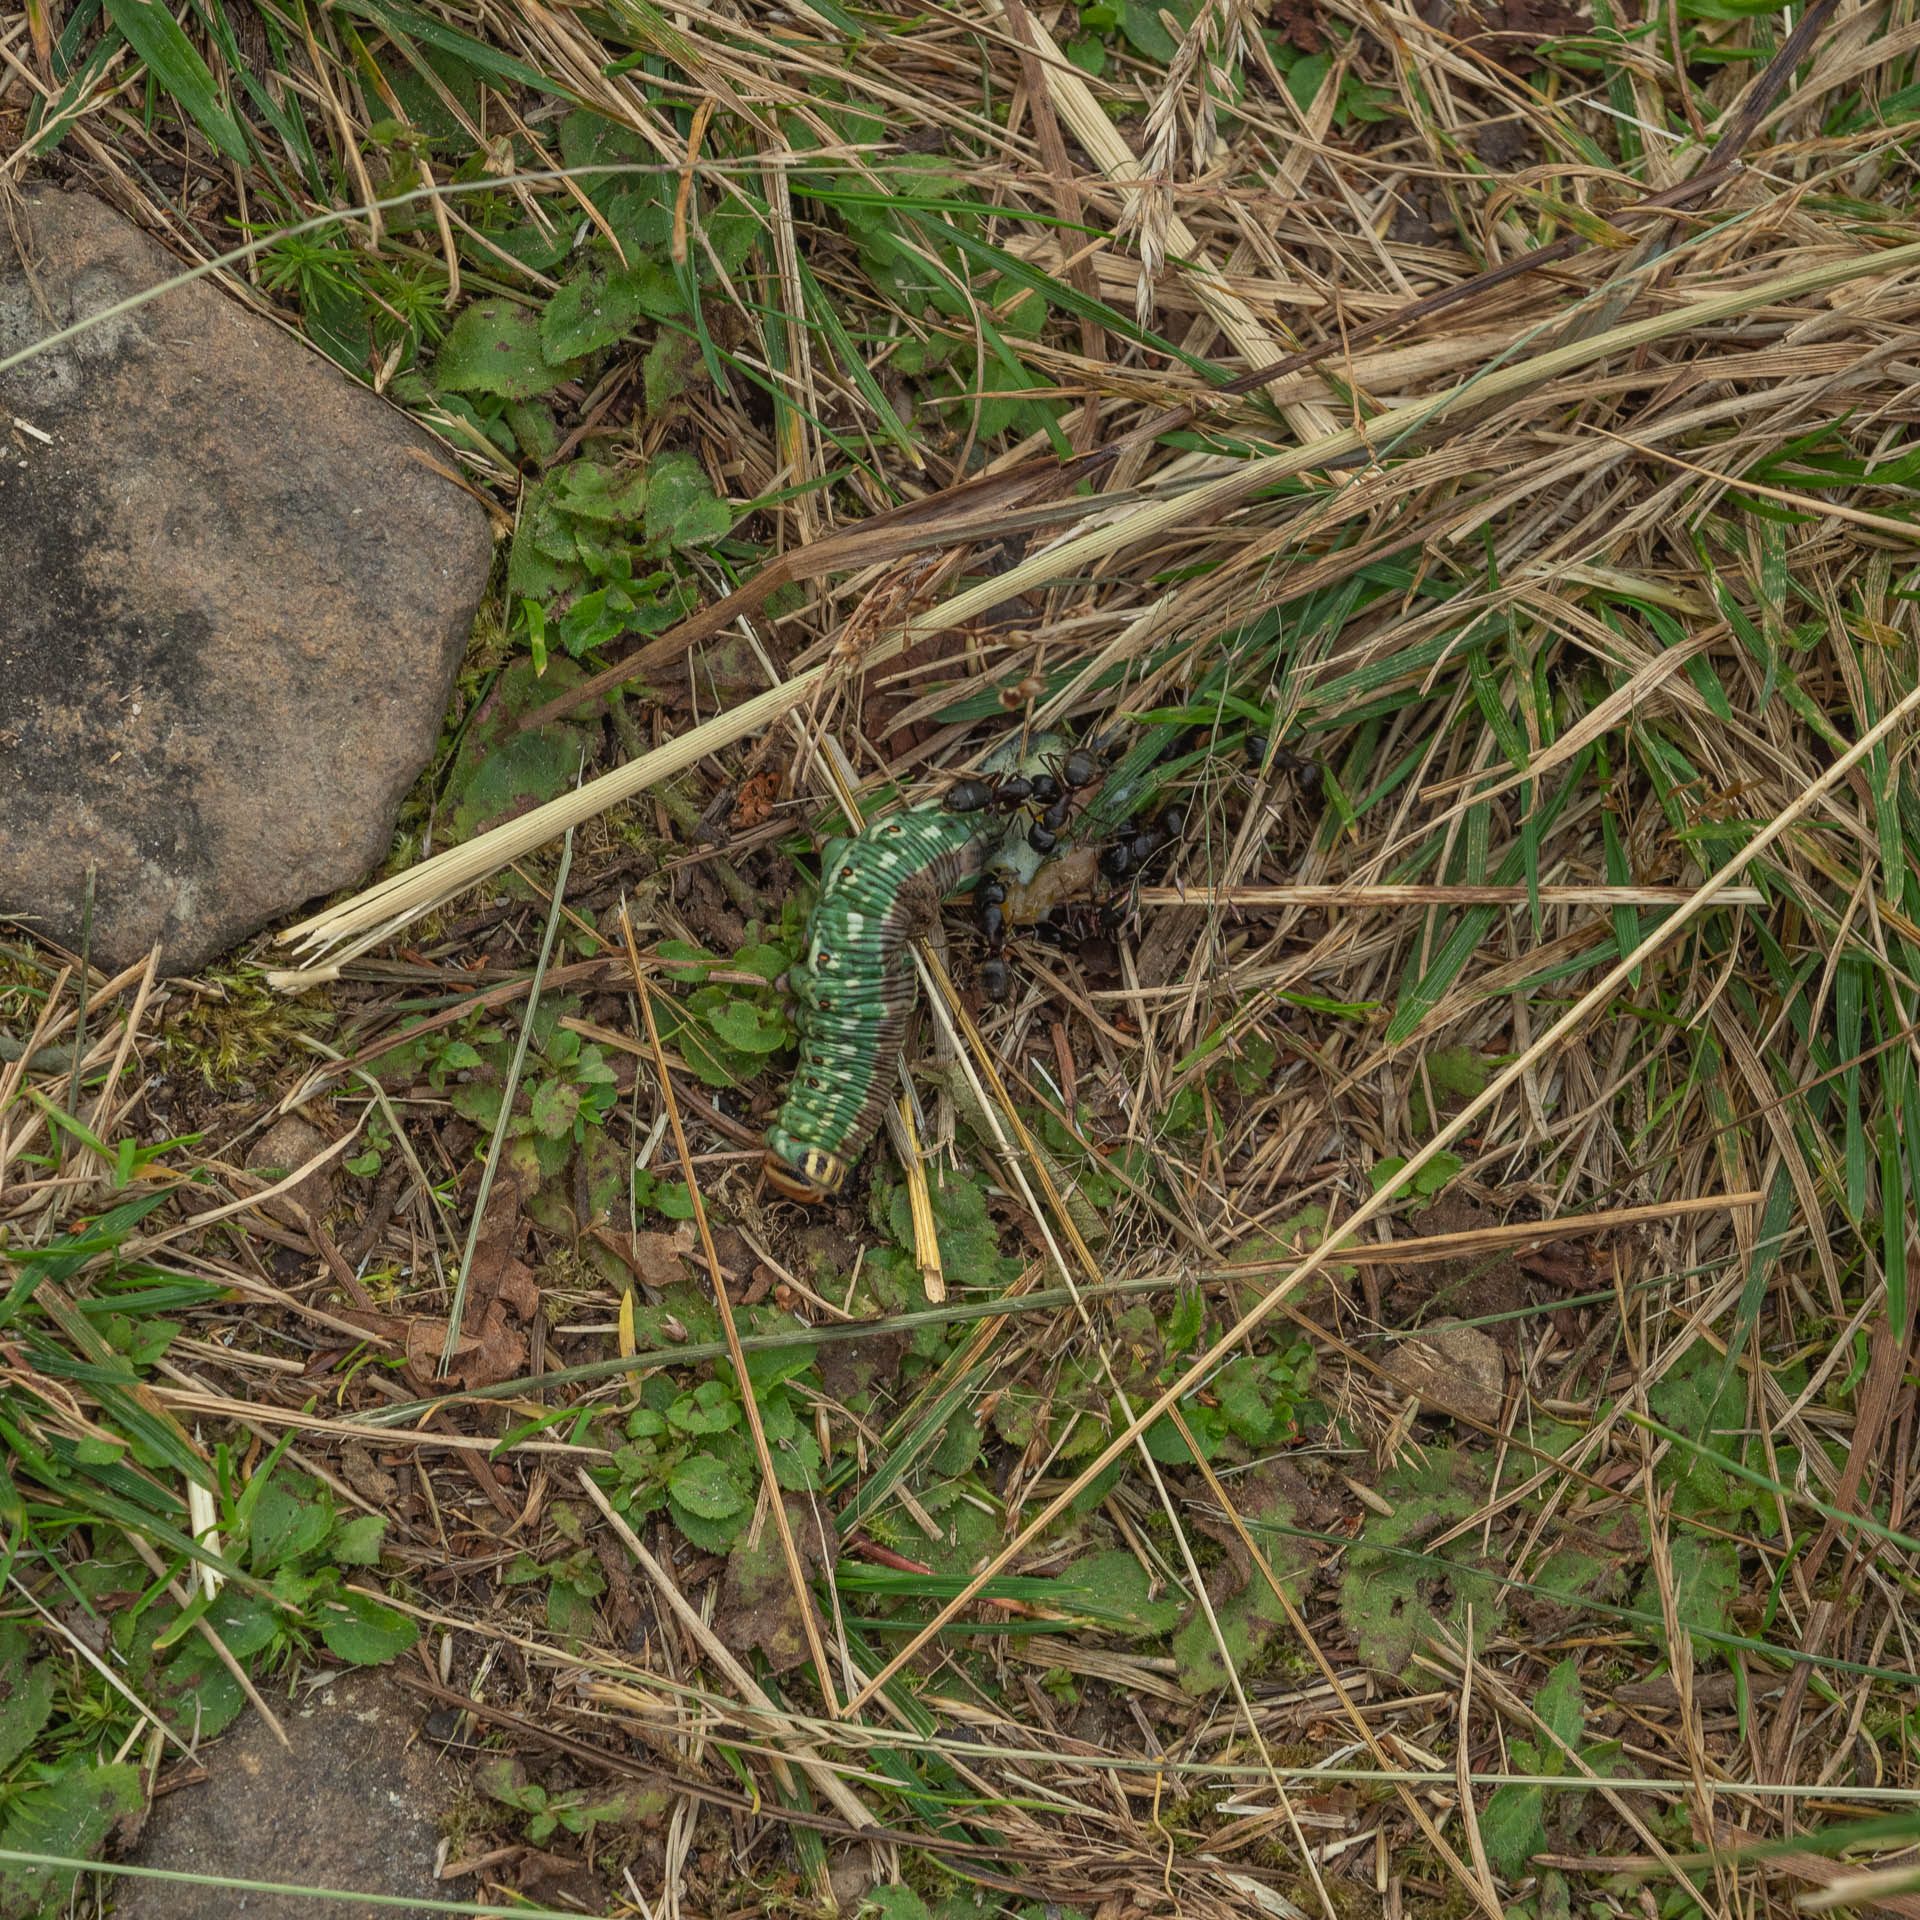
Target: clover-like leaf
751,1028
709,1408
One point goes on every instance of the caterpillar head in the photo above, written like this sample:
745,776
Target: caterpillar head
804,1173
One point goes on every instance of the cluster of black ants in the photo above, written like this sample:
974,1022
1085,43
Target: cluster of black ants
1128,857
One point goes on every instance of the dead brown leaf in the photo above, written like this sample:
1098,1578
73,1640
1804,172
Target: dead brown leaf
757,1609
500,1290
654,1258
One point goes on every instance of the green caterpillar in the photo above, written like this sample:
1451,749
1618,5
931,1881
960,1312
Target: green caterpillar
855,986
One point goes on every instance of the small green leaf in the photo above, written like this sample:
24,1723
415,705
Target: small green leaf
284,1527
505,1779
534,427
494,347
524,772
681,508
588,491
796,1463
1168,1445
556,1104
733,234
360,1630
570,1610
1512,1830
1246,1399
1252,1616
1114,1588
1141,24
669,369
1394,1596
1184,1324
1560,1704
673,1198
710,1408
896,1903
710,1536
356,1542
26,1699
1305,78
702,1485
1087,53
246,1623
589,140
687,961
1424,1184
751,1028
1706,1578
594,310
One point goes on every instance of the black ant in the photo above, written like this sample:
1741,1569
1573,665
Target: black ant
1304,769
1080,922
1052,793
989,900
1133,853
1077,923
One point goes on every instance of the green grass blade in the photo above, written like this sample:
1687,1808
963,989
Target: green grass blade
401,21
178,70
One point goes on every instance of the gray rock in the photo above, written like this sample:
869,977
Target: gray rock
356,1805
285,1147
232,603
1454,1368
